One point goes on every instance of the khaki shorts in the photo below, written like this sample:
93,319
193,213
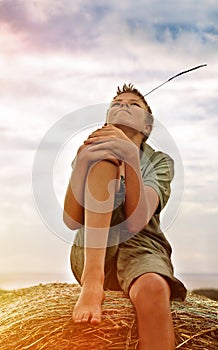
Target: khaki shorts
128,260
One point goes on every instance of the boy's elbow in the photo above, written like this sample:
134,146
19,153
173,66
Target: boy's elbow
70,223
136,225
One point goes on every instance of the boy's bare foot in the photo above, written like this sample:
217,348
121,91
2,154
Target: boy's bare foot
88,306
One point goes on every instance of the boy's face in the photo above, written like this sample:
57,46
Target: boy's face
128,110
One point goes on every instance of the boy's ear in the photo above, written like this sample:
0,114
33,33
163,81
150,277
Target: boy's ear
147,129
106,116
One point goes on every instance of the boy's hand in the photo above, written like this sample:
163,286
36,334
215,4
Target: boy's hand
86,156
112,139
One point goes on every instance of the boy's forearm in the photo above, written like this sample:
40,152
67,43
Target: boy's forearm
134,197
141,201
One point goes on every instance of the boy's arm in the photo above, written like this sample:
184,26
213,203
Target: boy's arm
141,201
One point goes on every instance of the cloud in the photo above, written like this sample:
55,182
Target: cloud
63,24
13,140
194,241
121,41
51,24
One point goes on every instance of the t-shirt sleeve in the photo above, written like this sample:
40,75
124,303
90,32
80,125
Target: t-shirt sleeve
158,172
73,163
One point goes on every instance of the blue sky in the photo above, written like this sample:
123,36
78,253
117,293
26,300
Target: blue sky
60,56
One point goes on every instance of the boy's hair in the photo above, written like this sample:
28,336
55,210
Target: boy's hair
131,89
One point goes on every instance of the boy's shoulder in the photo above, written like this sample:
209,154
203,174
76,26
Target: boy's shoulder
153,155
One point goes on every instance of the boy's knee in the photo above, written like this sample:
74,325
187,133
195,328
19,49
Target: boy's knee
150,288
104,167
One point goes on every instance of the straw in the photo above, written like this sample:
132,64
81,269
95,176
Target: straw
40,318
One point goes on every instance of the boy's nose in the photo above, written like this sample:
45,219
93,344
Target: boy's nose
124,104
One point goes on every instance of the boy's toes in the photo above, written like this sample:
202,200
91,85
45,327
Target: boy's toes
77,317
96,319
85,317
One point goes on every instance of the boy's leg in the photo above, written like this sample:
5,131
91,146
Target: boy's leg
99,201
150,294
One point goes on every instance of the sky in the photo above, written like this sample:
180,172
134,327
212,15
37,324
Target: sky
61,59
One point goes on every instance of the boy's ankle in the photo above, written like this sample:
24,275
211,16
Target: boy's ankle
94,277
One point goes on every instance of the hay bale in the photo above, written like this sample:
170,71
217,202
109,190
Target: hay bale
39,317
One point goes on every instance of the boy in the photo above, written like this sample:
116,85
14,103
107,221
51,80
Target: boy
118,187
